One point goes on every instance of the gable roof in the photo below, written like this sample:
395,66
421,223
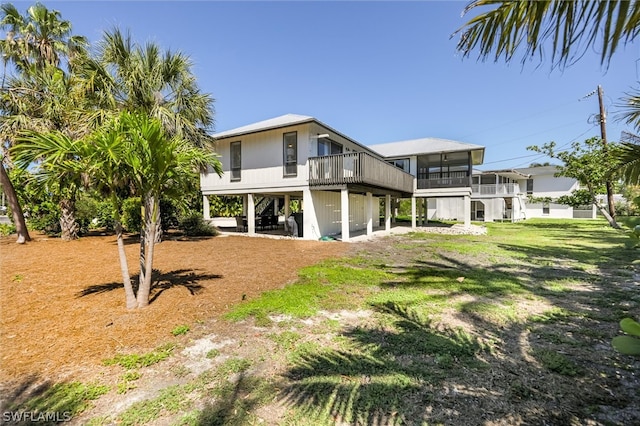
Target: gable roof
272,123
510,173
428,146
541,170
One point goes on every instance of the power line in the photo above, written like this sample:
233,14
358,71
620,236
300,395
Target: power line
542,155
518,119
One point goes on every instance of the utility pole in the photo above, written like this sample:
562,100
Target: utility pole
603,133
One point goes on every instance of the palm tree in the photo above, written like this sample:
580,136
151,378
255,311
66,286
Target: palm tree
568,29
131,154
159,164
159,84
571,26
34,42
143,79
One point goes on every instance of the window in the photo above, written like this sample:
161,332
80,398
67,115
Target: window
328,147
545,207
401,163
236,160
529,186
290,145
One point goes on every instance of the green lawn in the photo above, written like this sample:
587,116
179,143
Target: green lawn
512,327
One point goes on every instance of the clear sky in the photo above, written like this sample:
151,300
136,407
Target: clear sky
376,71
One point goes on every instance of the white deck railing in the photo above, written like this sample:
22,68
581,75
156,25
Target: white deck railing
495,189
358,168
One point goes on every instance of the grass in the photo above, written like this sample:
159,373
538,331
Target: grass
65,399
456,327
329,285
133,361
179,330
209,386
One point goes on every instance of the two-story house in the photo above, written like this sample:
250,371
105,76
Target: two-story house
340,183
523,193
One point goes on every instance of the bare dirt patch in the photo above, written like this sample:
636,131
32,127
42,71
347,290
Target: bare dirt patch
62,304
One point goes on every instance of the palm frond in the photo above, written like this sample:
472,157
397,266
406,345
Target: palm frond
629,163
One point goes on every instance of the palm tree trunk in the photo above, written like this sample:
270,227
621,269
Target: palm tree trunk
151,216
68,223
14,204
130,297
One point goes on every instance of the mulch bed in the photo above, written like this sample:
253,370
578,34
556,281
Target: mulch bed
62,306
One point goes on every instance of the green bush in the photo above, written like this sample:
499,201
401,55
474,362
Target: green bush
104,215
7,229
194,225
225,206
168,214
45,217
86,211
132,215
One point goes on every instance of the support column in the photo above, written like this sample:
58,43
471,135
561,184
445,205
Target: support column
344,213
206,208
387,213
309,220
251,215
426,211
245,202
413,212
369,213
467,211
418,212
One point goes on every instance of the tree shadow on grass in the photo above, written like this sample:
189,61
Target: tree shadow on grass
233,403
386,383
185,278
36,402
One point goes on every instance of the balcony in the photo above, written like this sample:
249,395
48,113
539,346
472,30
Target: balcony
358,168
495,189
449,180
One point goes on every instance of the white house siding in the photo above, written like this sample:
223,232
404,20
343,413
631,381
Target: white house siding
328,212
262,162
551,186
446,208
556,211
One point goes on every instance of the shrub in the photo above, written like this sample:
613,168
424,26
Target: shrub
194,225
168,214
104,215
45,217
86,211
132,215
7,229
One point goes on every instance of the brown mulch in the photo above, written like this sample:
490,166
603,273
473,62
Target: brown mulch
62,307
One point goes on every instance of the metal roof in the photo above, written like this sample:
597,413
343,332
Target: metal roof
510,173
272,123
428,146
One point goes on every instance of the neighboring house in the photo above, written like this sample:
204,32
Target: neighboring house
340,183
523,193
499,195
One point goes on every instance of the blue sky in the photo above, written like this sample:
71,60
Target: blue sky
376,71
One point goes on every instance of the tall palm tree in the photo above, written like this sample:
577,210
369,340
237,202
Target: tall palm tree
34,42
160,84
144,79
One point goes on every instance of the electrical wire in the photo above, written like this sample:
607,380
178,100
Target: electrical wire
538,155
